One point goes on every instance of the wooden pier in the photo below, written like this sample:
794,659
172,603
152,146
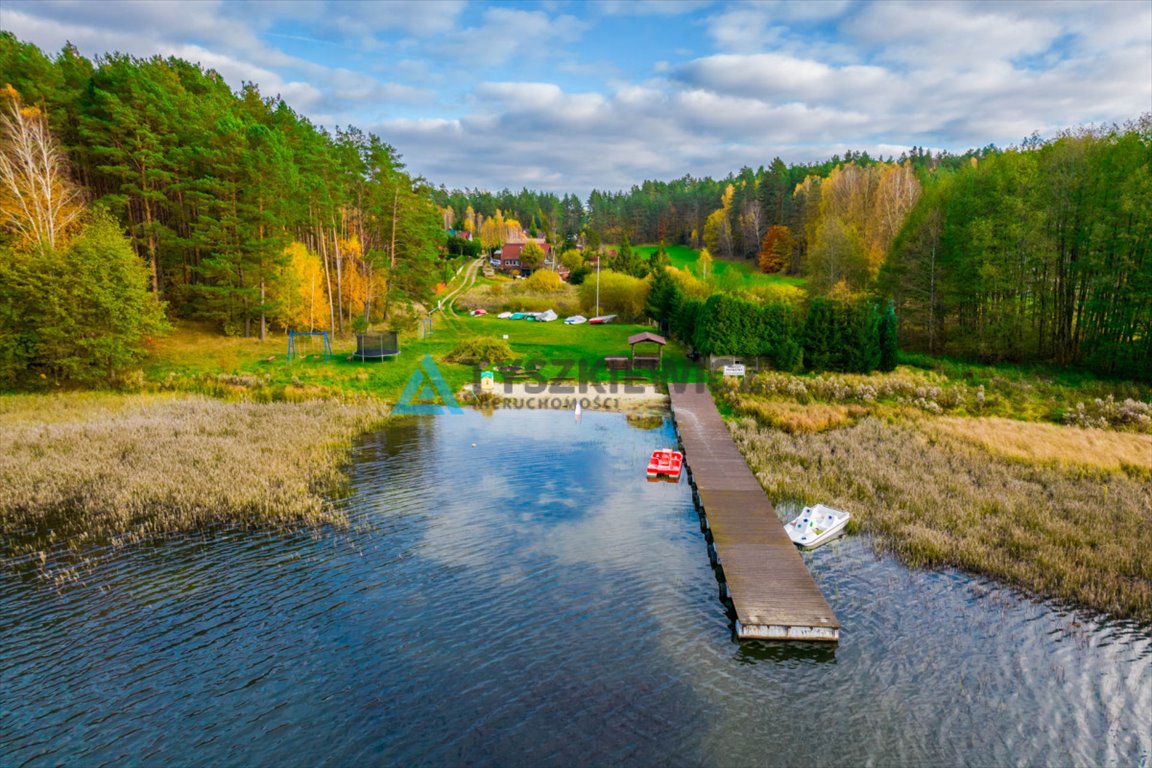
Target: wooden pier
772,592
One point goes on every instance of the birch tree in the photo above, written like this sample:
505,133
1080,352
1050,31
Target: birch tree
39,204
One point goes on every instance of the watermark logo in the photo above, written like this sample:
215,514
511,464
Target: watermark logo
426,393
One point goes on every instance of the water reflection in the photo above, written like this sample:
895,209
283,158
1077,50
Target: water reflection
533,601
752,652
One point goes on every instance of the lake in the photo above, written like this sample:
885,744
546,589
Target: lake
511,591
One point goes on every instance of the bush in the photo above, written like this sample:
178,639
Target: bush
842,334
622,295
780,329
730,325
458,246
525,303
777,292
571,259
81,313
480,350
685,320
889,347
544,281
579,275
689,284
726,326
663,298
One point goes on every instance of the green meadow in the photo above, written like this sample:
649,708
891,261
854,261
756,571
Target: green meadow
195,359
728,275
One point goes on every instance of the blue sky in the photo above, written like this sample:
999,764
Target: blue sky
567,96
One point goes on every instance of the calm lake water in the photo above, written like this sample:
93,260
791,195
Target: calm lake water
533,601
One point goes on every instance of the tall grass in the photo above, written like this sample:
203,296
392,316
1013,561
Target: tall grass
960,391
77,470
1034,443
520,296
1066,530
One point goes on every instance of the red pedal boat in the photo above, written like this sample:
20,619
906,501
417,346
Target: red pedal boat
666,462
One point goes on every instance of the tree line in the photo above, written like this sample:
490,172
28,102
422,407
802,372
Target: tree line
243,212
246,214
841,332
74,302
1035,253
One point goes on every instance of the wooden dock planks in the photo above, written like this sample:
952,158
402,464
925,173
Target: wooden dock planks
774,595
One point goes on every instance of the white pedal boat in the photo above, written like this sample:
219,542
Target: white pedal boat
816,525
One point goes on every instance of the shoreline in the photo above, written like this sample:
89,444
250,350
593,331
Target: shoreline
591,396
82,468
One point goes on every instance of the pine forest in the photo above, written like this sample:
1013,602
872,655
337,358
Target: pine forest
229,207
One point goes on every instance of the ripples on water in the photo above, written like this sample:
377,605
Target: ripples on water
533,601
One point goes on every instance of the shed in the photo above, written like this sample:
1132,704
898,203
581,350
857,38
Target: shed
646,361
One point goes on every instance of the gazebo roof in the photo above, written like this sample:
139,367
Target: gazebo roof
646,336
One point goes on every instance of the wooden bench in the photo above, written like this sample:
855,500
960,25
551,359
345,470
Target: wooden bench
618,363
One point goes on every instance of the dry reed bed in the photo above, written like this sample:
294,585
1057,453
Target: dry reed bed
1124,406
1052,444
1058,529
84,469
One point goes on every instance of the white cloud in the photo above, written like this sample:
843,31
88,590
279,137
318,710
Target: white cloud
776,77
951,37
754,27
744,30
511,34
494,96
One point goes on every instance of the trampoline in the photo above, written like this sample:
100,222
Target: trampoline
377,346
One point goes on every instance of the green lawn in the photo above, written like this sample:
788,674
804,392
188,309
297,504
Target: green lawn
564,350
730,275
195,358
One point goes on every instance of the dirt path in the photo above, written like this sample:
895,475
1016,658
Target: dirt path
448,303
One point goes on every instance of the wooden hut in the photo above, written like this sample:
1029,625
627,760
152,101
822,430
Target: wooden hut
646,361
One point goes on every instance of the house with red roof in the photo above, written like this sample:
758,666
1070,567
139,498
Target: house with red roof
507,259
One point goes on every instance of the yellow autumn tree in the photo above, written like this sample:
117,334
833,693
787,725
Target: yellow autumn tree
39,204
853,220
897,193
305,301
356,278
704,264
492,231
513,231
718,227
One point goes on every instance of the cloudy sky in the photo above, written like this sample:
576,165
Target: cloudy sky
567,96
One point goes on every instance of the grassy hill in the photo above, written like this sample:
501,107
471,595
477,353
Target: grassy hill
729,275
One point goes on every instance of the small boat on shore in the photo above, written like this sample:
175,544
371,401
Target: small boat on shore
665,462
575,320
816,525
602,320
